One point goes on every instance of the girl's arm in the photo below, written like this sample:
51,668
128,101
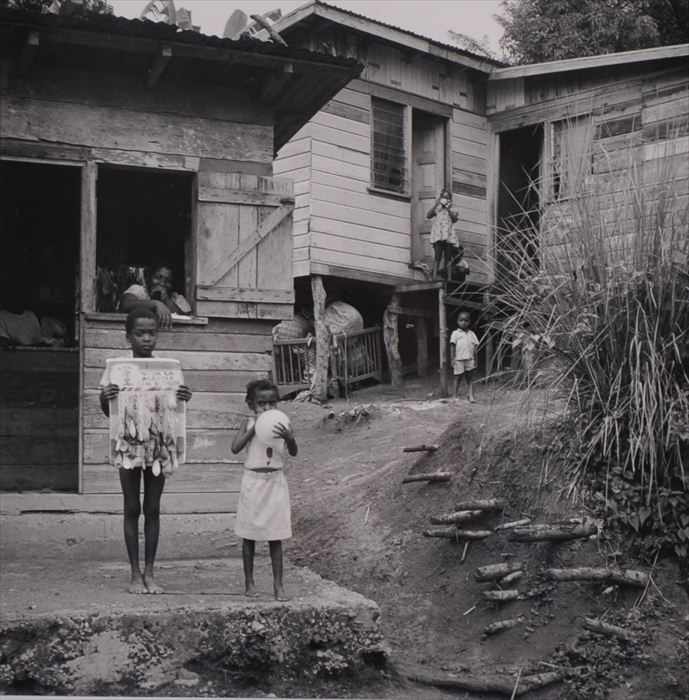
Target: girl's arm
243,436
183,393
454,215
106,394
282,431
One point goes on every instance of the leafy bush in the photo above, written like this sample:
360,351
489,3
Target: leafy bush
604,308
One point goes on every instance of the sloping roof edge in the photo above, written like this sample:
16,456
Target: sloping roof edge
388,32
586,62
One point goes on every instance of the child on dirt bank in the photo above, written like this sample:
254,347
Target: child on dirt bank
142,333
263,512
463,345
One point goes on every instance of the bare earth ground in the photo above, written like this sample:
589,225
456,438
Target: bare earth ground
355,523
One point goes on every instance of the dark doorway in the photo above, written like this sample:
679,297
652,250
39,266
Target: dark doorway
39,354
517,242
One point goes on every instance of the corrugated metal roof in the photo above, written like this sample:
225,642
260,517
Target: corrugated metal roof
158,31
434,42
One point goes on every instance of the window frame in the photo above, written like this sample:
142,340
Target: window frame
374,187
555,190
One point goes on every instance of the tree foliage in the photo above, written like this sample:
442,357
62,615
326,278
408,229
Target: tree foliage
550,30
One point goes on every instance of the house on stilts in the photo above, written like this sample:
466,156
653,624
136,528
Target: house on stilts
423,115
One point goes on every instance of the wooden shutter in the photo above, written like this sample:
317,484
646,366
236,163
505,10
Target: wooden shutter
244,246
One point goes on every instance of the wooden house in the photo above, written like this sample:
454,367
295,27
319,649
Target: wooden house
368,166
371,163
123,143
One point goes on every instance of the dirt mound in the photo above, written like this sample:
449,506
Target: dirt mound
357,524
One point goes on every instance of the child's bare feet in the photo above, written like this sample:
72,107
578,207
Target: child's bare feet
152,587
472,399
280,594
250,590
137,584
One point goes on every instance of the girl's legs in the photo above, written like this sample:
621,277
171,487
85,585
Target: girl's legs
248,549
153,490
437,255
130,481
276,563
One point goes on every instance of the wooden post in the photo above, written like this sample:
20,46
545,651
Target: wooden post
442,327
391,340
421,346
319,384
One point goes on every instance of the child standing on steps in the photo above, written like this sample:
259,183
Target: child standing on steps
141,328
263,512
463,345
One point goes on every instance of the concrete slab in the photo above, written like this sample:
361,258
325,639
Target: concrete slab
71,627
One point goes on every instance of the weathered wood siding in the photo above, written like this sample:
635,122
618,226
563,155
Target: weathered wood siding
39,419
294,163
217,360
340,223
637,142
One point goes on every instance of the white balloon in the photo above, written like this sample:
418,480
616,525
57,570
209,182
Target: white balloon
266,423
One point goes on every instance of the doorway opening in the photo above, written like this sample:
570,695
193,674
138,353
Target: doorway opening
428,178
519,200
143,223
39,353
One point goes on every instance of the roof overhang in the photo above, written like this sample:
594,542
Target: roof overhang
605,60
293,83
308,14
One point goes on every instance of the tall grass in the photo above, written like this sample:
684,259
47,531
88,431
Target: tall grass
604,305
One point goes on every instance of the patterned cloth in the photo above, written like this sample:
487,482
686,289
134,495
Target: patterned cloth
442,229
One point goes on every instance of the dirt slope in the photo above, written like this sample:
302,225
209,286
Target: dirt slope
358,525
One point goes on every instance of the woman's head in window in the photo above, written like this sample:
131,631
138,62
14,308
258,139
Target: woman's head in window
161,281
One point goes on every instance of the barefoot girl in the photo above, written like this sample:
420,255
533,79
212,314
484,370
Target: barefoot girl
443,237
142,334
263,512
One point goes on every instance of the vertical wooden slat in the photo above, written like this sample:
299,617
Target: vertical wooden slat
87,257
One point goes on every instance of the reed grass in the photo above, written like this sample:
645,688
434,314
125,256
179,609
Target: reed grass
595,288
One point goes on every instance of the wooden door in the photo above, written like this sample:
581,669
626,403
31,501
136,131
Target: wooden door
428,178
244,246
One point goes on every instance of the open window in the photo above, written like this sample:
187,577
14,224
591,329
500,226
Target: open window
571,158
144,223
390,139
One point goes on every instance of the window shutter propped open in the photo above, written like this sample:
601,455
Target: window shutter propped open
244,246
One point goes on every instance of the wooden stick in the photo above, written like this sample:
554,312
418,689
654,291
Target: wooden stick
482,504
421,448
511,578
608,630
513,524
464,551
478,684
459,516
438,476
474,534
626,577
552,533
502,625
449,533
493,572
501,596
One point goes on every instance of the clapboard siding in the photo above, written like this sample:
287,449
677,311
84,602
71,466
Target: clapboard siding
218,360
639,133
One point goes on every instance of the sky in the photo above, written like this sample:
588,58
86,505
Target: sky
431,18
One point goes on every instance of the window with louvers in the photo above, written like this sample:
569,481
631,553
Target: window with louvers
389,160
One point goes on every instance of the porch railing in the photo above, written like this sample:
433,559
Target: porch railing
353,357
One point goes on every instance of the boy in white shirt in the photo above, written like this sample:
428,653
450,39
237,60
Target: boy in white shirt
463,344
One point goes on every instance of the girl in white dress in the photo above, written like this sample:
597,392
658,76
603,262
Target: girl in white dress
263,512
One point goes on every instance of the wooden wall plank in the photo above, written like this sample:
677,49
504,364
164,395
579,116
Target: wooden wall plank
364,201
341,123
354,173
189,478
359,247
124,129
360,233
39,477
319,147
353,215
190,360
